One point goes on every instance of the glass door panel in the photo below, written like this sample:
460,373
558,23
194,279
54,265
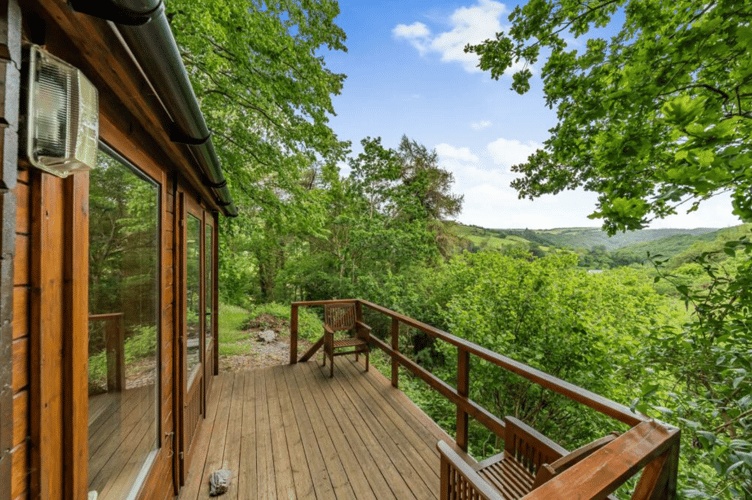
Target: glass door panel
123,326
208,302
193,297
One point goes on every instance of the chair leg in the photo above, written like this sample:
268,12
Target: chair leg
367,354
331,366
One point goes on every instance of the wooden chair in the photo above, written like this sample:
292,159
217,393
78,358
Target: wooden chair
529,459
342,317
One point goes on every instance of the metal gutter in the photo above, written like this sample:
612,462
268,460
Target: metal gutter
144,27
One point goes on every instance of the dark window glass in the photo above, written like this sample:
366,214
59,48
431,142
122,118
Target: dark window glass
193,294
208,283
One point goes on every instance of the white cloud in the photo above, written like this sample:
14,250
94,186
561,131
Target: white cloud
469,25
715,212
416,33
507,153
491,202
450,152
481,124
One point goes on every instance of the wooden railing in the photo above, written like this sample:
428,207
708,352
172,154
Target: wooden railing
114,348
459,395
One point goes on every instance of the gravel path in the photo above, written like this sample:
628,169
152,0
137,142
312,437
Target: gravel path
262,353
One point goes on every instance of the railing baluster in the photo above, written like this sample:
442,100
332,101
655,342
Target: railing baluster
395,348
463,389
294,334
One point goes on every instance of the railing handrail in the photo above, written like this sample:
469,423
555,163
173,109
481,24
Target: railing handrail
105,316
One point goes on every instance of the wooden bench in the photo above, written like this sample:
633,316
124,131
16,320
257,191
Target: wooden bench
534,467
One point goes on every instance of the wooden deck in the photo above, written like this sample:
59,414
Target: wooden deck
291,432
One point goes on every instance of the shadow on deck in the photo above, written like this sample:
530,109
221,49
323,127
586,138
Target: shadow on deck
292,432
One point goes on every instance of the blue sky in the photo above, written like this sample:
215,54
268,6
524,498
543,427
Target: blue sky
407,74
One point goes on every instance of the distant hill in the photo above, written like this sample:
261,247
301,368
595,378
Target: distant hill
587,238
633,246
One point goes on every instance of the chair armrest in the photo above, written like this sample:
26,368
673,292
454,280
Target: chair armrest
601,473
451,460
547,471
328,335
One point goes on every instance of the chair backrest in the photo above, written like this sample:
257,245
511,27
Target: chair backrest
339,316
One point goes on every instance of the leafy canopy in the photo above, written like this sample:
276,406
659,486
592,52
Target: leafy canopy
658,115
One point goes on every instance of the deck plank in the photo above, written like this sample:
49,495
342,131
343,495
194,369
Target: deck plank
266,486
194,480
342,443
322,484
381,461
330,455
404,450
292,432
282,460
216,448
231,457
300,469
246,472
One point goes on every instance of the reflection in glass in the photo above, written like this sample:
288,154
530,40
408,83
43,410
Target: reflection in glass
123,326
193,293
208,283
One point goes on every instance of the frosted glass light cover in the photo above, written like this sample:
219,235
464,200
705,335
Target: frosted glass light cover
63,116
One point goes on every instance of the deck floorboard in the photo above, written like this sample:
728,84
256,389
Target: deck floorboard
292,432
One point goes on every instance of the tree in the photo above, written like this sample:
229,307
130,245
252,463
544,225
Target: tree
659,115
266,94
406,183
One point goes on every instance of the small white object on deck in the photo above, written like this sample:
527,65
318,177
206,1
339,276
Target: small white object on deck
219,482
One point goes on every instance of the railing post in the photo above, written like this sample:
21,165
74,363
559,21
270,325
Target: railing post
115,349
463,389
294,334
395,348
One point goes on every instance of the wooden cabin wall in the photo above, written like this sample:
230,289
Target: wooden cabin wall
44,266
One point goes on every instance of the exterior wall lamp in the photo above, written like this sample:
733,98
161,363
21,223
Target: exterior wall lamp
62,116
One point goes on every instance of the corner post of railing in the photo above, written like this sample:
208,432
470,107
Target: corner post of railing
673,468
359,311
115,350
395,349
293,334
463,389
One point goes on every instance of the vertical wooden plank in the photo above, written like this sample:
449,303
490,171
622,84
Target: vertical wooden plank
174,247
46,336
76,337
463,386
10,78
215,293
293,334
395,348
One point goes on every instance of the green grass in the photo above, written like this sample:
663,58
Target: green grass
231,335
234,322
